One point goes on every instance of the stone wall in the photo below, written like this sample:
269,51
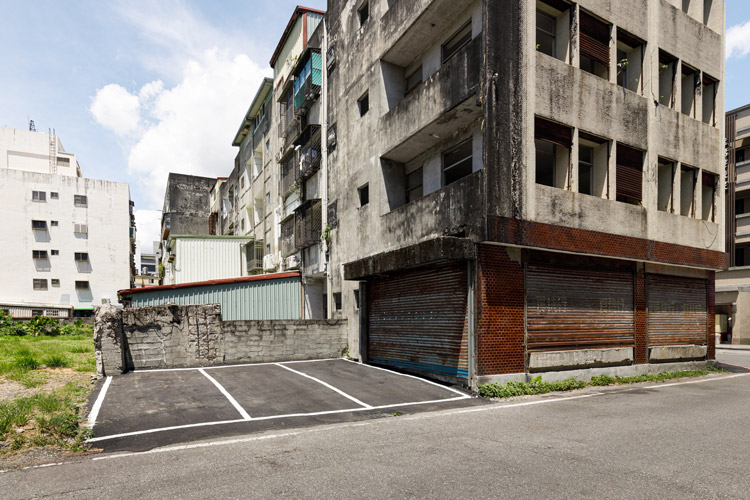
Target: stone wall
174,336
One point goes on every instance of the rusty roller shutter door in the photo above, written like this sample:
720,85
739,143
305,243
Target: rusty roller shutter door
629,174
570,308
677,310
595,37
417,321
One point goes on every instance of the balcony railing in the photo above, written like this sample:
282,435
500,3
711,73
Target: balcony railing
307,85
308,222
309,155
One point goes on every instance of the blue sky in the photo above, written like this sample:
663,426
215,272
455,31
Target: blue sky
138,89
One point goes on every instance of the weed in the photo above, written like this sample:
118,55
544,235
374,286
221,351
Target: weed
25,360
56,361
537,386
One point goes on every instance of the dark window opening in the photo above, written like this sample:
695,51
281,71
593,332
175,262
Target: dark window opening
363,104
708,195
364,195
38,196
363,13
667,67
81,256
40,284
39,225
39,254
457,162
414,80
414,189
455,43
595,38
55,282
688,181
665,185
739,257
80,200
82,285
552,142
629,61
546,33
585,169
629,181
337,301
690,84
54,196
739,156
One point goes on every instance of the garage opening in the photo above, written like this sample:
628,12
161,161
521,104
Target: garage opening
417,321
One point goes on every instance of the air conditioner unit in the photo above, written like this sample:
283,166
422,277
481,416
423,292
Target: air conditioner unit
269,262
292,262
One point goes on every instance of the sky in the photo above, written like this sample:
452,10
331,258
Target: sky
137,89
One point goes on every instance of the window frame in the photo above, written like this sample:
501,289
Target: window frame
39,196
40,284
457,41
81,257
80,200
459,163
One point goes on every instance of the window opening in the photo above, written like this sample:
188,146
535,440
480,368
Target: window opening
456,42
363,13
414,182
629,164
552,142
688,180
595,38
667,67
363,104
708,196
39,196
364,195
457,162
665,200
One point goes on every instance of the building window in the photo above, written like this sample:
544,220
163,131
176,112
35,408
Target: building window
39,196
457,162
55,252
739,257
595,36
39,254
364,195
455,43
666,171
356,299
53,223
414,189
630,51
80,200
81,257
54,196
552,142
739,156
689,85
55,282
688,181
414,80
708,196
585,169
593,164
629,175
546,33
363,104
40,284
38,312
363,13
39,225
80,228
82,285
337,301
667,69
709,92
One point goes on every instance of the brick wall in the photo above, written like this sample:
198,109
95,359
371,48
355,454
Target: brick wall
192,336
500,312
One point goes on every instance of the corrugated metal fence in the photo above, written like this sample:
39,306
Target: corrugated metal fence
241,300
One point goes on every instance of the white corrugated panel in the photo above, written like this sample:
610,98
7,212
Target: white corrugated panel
200,259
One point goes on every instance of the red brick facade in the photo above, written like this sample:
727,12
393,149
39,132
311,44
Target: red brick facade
500,312
569,239
641,337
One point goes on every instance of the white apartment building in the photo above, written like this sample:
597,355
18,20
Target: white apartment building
68,241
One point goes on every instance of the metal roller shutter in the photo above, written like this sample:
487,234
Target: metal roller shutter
417,321
578,308
595,37
677,310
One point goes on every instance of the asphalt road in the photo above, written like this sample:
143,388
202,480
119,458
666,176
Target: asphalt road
678,440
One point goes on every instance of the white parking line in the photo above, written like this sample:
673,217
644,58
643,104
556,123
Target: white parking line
219,367
410,376
327,385
270,417
237,406
98,403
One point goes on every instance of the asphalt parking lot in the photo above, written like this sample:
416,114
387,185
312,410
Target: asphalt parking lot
146,409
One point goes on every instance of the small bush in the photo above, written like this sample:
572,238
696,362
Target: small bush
56,361
42,325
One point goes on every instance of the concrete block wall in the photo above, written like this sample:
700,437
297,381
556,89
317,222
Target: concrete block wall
172,336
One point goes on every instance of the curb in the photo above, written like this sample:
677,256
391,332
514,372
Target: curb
738,348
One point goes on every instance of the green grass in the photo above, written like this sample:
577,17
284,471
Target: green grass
20,355
537,386
52,419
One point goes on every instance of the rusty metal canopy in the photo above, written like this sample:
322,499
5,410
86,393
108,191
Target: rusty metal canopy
677,310
570,308
417,321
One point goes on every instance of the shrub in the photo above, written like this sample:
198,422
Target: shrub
42,325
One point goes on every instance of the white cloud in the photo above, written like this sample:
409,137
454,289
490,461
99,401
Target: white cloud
738,40
148,227
116,109
187,127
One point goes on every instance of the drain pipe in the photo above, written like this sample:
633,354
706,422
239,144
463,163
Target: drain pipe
324,169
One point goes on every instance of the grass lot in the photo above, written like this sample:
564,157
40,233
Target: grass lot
44,383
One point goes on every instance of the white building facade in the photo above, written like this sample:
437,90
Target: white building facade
68,241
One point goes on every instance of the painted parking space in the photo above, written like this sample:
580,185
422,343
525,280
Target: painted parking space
148,409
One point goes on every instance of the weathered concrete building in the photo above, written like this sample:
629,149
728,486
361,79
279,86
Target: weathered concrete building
186,209
733,285
525,187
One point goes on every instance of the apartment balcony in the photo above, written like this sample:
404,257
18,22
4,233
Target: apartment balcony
308,222
308,157
454,210
415,25
307,83
443,104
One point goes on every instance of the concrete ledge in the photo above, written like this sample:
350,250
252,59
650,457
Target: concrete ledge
586,374
580,358
676,352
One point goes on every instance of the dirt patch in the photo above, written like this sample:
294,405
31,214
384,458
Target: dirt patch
55,379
